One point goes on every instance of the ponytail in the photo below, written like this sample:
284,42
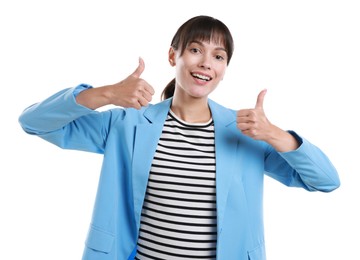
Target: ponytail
168,90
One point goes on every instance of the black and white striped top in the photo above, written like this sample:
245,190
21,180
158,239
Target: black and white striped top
178,219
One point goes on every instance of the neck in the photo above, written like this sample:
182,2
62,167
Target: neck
192,110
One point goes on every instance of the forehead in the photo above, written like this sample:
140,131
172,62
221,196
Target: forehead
213,38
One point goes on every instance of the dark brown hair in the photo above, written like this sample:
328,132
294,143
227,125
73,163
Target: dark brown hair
199,28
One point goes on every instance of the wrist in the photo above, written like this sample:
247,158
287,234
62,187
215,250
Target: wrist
281,140
107,94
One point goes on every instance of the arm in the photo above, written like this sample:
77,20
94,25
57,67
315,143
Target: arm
290,159
61,121
68,118
307,167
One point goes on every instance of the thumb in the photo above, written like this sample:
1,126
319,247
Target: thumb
260,99
139,70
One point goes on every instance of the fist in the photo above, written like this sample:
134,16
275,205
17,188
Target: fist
253,122
133,91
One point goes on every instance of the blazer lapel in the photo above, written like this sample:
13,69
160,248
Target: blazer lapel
225,152
146,139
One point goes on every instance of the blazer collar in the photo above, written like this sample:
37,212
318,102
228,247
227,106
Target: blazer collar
157,113
220,114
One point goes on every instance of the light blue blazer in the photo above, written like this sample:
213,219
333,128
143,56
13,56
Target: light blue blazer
128,138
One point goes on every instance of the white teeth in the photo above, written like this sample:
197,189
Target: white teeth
201,76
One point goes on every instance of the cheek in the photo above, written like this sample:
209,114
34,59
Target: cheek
180,74
179,67
221,72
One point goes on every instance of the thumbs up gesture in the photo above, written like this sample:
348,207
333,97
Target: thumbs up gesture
253,122
132,91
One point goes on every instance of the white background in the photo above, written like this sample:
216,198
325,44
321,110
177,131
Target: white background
306,53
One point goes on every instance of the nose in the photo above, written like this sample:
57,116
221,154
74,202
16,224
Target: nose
205,62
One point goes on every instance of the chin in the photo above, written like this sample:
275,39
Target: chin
200,95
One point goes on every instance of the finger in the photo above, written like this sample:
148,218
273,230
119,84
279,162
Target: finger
139,70
133,104
243,126
143,101
136,105
149,89
260,99
147,96
243,113
246,115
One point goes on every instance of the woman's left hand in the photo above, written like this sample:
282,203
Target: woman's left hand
253,122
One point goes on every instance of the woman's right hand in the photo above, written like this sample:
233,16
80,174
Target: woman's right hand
133,92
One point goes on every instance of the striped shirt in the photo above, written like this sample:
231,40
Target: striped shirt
178,219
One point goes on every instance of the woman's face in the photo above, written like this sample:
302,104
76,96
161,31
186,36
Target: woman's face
200,68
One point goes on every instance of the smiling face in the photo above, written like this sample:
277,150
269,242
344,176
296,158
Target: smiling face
201,50
199,67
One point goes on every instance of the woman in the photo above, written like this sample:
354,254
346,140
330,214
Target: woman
181,179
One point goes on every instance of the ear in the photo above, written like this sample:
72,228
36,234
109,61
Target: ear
172,57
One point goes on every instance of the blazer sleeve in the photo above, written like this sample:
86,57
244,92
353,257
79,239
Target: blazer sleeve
63,122
307,167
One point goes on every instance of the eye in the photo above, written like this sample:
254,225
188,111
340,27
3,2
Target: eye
194,50
219,57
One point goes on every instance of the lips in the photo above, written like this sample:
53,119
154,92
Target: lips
201,76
